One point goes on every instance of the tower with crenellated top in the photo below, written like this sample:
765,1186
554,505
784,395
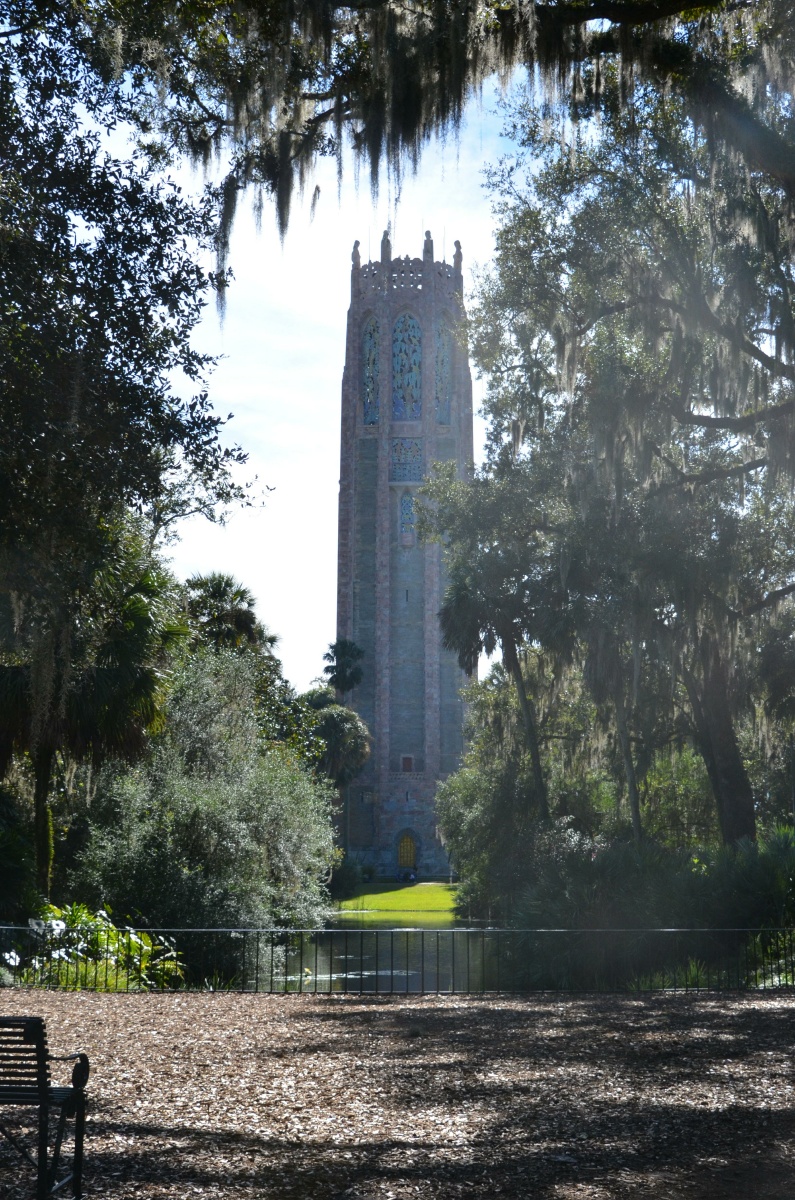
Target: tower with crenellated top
406,403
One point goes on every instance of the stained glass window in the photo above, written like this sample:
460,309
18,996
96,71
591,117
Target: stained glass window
444,373
406,464
407,517
406,364
371,341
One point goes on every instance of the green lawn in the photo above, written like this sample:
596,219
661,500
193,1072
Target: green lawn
382,896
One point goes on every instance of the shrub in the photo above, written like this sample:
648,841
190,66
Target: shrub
345,879
579,882
218,827
176,849
75,948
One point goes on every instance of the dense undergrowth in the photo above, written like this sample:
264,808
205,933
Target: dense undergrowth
579,882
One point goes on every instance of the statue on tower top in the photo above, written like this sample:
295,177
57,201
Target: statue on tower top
356,257
427,249
386,248
458,258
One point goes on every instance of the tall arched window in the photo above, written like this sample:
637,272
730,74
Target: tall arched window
406,369
444,371
371,344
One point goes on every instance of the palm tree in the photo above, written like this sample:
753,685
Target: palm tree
347,743
342,670
221,611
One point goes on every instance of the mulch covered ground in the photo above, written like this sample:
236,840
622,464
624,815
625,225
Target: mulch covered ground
592,1097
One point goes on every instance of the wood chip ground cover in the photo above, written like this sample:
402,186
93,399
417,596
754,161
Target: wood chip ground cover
245,1096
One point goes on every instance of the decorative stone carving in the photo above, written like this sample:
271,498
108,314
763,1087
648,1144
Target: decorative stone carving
427,249
371,344
406,464
406,369
386,248
407,519
444,372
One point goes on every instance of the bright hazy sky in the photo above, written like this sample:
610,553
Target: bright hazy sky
283,342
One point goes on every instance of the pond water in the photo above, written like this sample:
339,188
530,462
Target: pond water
395,959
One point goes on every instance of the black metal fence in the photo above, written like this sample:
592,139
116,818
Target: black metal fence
395,961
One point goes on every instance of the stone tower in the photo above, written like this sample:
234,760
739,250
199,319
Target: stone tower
406,403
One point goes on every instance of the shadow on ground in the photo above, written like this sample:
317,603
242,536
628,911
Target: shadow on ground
306,1097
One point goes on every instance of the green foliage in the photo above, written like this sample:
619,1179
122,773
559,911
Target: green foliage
346,878
486,810
17,892
678,809
178,849
89,685
343,738
346,742
274,85
216,827
578,882
222,614
630,520
318,698
342,665
101,292
104,403
83,949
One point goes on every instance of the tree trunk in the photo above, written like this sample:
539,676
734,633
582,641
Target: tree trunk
629,766
717,740
511,660
43,833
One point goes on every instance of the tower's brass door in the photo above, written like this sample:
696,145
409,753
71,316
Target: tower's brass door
407,852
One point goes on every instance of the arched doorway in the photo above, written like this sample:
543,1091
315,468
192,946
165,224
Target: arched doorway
407,853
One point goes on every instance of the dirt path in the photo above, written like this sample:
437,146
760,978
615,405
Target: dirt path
676,1097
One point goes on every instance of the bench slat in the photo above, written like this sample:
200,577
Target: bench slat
25,1080
24,1065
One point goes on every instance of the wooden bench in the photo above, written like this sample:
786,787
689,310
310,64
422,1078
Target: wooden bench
25,1081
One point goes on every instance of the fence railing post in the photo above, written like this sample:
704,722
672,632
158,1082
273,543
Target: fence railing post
487,960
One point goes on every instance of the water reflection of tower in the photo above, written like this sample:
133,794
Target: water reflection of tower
406,403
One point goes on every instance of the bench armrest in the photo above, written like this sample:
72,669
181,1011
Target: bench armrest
80,1071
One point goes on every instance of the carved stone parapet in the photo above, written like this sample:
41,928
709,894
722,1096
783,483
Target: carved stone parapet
406,274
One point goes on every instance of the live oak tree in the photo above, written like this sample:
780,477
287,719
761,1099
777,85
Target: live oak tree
485,607
100,290
97,261
638,337
270,86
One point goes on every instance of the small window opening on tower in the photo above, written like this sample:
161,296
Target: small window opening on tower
407,520
407,762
